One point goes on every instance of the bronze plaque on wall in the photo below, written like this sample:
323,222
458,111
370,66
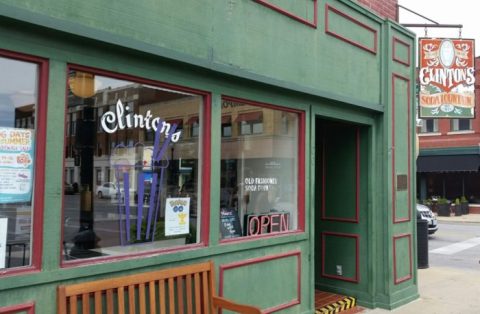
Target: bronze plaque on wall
402,182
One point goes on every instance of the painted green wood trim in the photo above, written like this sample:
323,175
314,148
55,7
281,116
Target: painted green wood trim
216,139
54,166
66,27
331,111
399,28
449,151
357,7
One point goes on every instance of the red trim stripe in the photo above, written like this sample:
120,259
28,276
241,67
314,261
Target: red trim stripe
225,267
329,8
26,307
292,15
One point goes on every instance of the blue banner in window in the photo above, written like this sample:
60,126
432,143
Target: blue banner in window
16,165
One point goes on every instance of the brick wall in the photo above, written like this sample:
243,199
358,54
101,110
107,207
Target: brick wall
385,8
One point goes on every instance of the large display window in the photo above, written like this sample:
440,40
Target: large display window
133,166
260,154
22,78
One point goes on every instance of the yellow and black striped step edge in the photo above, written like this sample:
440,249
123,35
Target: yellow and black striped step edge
336,307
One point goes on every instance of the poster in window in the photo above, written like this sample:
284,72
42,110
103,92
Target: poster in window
16,165
446,78
177,216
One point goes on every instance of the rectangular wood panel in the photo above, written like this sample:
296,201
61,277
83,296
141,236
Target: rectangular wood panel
402,258
346,28
401,147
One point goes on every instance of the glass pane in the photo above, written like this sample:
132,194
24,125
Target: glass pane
259,182
463,124
142,192
18,103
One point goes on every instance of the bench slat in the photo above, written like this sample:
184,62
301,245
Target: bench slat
151,293
171,296
98,302
120,300
180,295
85,303
73,304
110,301
205,292
198,299
131,299
161,292
188,279
142,298
62,300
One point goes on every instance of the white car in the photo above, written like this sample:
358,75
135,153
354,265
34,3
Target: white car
423,212
107,189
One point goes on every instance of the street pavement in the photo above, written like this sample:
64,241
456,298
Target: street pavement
452,282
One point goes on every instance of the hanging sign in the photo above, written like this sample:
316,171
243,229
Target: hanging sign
16,165
177,215
446,78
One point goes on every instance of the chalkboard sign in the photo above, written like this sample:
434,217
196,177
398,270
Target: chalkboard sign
230,223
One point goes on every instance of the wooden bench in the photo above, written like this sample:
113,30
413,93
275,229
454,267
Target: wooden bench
185,289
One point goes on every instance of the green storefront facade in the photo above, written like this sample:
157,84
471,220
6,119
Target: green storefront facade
311,102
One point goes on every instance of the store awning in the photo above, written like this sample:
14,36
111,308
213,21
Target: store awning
226,119
178,122
249,116
448,163
192,120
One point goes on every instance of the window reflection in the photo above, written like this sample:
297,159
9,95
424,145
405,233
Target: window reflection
259,162
131,192
18,104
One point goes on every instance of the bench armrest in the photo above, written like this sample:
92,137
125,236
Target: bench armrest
219,302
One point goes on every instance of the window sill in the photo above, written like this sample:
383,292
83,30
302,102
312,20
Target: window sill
430,134
461,132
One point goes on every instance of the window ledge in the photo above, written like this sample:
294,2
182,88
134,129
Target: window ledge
430,134
461,132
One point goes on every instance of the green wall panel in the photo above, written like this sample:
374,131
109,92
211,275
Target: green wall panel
340,251
265,282
402,246
351,30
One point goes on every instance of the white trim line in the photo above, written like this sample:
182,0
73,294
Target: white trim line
461,132
429,134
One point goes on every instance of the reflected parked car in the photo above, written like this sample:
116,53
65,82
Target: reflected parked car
423,212
110,190
107,189
68,188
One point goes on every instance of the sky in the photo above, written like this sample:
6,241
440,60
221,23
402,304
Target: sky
444,12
